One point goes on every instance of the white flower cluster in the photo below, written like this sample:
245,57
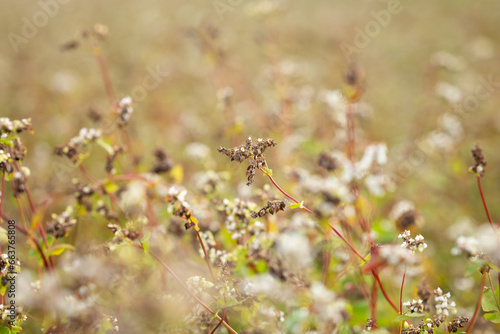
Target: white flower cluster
198,284
430,324
126,109
412,244
467,245
327,304
8,126
415,306
180,195
395,255
85,136
4,156
443,305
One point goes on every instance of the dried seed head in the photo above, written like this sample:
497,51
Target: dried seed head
355,74
163,163
480,161
327,161
251,151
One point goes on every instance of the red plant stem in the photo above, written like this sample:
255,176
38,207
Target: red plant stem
401,301
183,285
28,235
478,305
341,237
111,196
206,256
308,210
218,325
327,257
104,70
401,293
211,272
347,242
383,291
373,304
283,192
1,195
488,215
484,203
493,291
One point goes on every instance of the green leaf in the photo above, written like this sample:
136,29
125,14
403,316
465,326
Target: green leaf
145,242
268,171
16,329
408,316
105,146
58,249
3,289
5,330
7,141
493,317
297,205
3,236
230,302
110,187
475,267
488,301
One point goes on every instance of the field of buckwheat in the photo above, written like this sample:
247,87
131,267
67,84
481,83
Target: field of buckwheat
249,166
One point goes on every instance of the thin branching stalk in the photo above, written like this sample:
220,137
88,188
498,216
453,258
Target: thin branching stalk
340,236
401,300
373,303
493,290
211,271
484,203
495,228
112,197
183,285
383,291
28,235
96,50
478,304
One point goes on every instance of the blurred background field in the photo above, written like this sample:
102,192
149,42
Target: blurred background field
273,55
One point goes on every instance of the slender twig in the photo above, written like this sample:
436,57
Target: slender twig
308,210
100,185
373,303
383,291
103,69
3,190
488,215
341,237
484,203
211,271
401,300
28,235
283,192
21,212
183,285
218,325
401,293
493,291
347,242
207,259
478,304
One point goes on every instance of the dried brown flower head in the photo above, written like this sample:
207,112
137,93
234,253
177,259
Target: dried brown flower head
251,151
272,207
163,162
327,161
480,161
